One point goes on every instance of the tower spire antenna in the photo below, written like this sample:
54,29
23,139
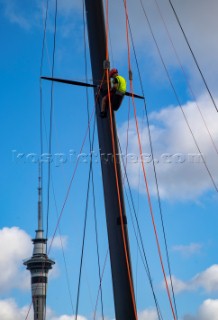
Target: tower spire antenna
39,264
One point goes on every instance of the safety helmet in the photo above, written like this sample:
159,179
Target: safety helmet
112,72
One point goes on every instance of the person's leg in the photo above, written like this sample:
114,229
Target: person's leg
116,101
104,103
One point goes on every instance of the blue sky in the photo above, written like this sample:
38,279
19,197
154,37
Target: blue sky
189,199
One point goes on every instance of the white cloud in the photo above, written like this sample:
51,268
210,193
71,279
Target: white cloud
58,242
32,13
65,317
188,250
15,246
10,311
196,28
207,311
178,285
201,36
19,15
180,176
206,280
66,7
148,315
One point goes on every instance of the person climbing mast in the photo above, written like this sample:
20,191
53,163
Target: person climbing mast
117,93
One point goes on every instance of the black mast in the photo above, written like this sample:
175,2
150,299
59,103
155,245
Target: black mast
124,299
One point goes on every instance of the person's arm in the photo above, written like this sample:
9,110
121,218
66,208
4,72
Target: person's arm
115,84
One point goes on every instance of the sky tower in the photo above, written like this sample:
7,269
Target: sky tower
39,265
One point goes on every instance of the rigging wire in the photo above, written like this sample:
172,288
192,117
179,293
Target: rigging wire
193,55
51,118
41,121
119,202
178,101
111,48
100,283
113,137
97,248
41,68
62,249
55,201
184,73
130,77
145,177
83,241
59,218
153,164
152,214
145,265
96,236
77,162
74,171
144,261
52,184
137,253
89,121
127,132
85,219
92,174
59,231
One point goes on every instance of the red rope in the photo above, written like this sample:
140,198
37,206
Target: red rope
116,174
120,206
144,171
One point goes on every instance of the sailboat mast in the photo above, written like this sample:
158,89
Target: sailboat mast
124,299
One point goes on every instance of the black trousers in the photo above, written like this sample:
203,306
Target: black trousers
116,100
